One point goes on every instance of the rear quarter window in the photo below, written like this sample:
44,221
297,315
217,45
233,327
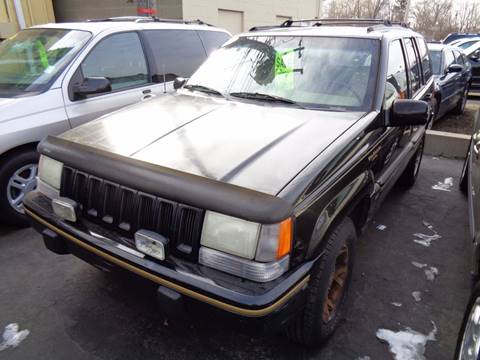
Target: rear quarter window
175,53
212,40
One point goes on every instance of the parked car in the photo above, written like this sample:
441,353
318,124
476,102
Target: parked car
57,76
465,43
246,189
457,36
452,74
473,55
468,344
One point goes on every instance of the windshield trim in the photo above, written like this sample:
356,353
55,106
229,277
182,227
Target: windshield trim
62,70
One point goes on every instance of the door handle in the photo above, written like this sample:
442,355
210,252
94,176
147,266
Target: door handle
147,96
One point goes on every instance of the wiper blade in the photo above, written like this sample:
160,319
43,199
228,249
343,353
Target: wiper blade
202,88
264,97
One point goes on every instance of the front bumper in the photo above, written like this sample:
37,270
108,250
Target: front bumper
277,300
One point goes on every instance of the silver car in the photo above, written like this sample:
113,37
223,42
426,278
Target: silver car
57,76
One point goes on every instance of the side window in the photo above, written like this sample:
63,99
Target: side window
175,53
396,86
425,59
449,59
413,66
212,40
458,58
120,59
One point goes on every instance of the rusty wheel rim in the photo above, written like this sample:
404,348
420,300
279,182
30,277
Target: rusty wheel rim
337,285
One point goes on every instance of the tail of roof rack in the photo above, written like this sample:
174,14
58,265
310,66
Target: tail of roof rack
372,23
148,19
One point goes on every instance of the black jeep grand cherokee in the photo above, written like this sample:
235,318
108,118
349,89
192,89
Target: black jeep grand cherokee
246,189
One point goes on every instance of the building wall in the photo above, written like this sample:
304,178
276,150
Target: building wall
254,12
235,15
34,12
80,10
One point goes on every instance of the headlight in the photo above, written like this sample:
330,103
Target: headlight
231,235
50,171
260,252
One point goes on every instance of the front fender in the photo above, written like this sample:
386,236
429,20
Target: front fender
345,201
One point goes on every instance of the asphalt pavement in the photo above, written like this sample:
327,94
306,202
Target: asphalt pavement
74,311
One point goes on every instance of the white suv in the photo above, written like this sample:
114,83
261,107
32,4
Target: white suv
57,76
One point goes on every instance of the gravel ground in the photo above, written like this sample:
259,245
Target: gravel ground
74,311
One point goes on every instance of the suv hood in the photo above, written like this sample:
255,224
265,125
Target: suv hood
256,146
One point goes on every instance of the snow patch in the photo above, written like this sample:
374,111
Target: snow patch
364,358
431,273
417,295
397,304
425,240
407,344
418,265
444,185
381,227
12,337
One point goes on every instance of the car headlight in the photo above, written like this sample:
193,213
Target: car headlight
257,252
50,171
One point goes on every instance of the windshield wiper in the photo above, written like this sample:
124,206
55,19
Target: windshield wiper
264,97
202,88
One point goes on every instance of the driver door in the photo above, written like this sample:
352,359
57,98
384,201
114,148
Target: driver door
119,58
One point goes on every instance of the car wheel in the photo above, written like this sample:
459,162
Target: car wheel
17,177
327,290
409,175
463,185
460,107
468,343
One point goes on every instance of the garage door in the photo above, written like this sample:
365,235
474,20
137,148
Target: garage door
231,20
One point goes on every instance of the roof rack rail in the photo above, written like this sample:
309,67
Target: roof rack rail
147,19
331,22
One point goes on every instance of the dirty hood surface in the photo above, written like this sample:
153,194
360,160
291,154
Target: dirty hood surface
257,146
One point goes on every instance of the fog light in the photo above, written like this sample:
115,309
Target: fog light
65,208
151,243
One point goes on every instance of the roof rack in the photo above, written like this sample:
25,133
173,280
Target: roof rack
147,19
332,22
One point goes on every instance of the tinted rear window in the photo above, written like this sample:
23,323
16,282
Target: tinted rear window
436,58
176,53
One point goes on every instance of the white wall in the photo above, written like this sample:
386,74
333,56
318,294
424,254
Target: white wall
255,12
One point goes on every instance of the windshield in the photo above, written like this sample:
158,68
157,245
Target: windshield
32,58
314,72
436,58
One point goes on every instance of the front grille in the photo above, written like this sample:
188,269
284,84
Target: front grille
126,210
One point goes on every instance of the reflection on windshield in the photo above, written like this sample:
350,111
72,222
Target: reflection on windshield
316,72
32,58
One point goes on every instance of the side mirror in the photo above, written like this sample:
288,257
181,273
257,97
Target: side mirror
409,112
454,68
179,82
90,86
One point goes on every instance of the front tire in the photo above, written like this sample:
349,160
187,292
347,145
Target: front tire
328,288
17,177
460,107
409,175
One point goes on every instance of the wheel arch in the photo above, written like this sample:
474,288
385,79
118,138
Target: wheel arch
353,201
18,149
